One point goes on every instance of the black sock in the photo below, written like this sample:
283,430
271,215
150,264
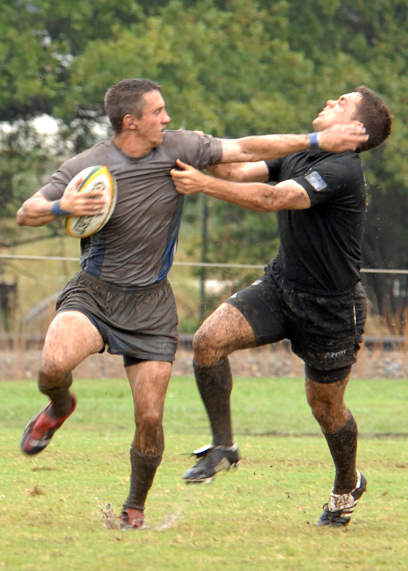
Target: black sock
60,396
143,469
215,386
343,448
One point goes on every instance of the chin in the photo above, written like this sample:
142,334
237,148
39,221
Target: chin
318,124
156,142
159,139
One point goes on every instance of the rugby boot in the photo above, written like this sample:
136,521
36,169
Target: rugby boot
339,509
131,518
39,431
211,460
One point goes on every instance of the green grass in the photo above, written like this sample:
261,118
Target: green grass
261,516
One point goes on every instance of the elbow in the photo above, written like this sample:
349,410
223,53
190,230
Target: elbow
269,206
267,202
20,218
238,173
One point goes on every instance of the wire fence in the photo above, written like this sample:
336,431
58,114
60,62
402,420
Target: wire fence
31,283
191,264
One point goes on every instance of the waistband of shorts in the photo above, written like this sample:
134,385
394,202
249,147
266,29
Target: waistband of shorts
86,276
273,272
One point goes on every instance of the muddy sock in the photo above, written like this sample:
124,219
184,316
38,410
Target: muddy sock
215,386
143,469
60,396
343,448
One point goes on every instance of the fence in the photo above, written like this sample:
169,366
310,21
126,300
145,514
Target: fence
199,288
31,283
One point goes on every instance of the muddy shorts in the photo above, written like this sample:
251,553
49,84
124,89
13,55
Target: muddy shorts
139,323
324,331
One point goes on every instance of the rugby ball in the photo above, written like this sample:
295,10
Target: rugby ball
95,177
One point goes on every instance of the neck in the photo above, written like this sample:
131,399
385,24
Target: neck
132,145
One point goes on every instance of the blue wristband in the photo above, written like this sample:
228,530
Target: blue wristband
314,140
57,210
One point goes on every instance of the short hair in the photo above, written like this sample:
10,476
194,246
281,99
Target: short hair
126,96
375,116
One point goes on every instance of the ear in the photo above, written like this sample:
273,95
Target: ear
129,122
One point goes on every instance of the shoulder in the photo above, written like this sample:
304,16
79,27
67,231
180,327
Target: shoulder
97,154
345,166
184,137
331,177
72,166
193,147
349,159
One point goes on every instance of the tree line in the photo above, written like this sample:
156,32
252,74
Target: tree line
227,67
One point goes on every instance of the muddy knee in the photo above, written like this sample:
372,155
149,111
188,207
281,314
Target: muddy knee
53,379
149,437
330,415
206,351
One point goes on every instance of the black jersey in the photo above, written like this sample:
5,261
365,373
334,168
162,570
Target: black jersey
320,247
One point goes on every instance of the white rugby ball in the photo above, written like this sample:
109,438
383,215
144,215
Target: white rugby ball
95,177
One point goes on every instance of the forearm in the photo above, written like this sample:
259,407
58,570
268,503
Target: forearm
227,171
263,147
33,220
253,196
286,195
241,172
335,139
35,211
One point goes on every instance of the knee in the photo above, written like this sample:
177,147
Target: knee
321,410
149,438
207,351
329,413
201,341
148,421
52,375
320,404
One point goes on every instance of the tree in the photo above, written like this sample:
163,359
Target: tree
227,67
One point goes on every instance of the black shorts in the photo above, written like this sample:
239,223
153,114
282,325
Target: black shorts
325,331
139,323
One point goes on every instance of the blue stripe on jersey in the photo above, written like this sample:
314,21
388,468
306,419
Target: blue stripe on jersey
171,240
93,253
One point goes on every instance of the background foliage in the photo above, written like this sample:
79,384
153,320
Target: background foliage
230,68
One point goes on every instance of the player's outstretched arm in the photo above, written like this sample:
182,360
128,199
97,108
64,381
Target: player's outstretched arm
336,139
241,172
287,195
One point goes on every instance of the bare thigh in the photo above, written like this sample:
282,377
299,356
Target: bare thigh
223,332
71,337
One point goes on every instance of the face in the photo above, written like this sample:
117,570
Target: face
341,110
151,125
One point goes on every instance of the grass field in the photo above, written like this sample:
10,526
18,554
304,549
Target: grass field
260,516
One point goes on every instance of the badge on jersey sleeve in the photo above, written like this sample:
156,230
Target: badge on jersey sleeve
316,180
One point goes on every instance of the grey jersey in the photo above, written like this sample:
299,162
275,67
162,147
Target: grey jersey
137,245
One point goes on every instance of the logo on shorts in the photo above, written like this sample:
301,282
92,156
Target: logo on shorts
335,354
316,180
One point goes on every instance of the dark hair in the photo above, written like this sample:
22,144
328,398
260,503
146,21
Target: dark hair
375,116
126,96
